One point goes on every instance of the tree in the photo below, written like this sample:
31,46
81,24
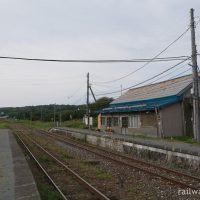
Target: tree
100,104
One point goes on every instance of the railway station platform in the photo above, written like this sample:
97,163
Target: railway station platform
162,150
16,179
169,145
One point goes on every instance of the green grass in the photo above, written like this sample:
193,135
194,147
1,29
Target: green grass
41,125
45,188
4,124
78,123
37,124
48,125
74,124
99,173
103,175
45,159
47,194
186,139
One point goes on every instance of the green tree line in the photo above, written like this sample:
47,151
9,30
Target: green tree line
46,112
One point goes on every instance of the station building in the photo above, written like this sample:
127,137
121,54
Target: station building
162,109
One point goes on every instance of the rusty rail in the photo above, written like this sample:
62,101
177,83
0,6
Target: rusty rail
93,149
91,188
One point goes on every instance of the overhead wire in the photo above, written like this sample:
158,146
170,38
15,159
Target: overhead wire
151,60
181,73
169,73
157,74
148,61
155,59
147,80
165,75
105,86
153,86
75,92
78,100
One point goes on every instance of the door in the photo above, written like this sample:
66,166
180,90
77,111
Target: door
124,125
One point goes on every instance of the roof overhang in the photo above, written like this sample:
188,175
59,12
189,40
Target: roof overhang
144,105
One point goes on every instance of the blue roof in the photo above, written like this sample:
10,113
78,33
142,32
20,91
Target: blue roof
144,105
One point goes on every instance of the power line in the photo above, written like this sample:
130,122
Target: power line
154,86
144,80
79,100
169,73
181,73
98,61
107,86
76,91
157,74
151,60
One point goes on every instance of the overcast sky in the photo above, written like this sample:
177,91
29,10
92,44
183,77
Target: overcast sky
89,29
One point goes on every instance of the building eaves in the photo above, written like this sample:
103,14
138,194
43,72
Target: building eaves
144,105
159,90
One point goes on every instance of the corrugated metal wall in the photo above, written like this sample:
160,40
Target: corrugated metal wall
172,120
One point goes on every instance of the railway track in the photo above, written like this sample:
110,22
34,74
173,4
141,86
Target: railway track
177,178
76,180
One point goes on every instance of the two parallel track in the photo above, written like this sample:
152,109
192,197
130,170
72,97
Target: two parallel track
94,192
177,178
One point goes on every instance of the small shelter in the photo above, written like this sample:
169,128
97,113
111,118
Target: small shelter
162,109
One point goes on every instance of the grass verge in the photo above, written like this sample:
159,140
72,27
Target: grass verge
45,188
4,124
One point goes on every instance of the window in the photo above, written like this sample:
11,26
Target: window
108,121
103,121
124,122
134,121
116,121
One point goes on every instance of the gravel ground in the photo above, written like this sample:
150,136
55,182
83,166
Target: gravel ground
138,184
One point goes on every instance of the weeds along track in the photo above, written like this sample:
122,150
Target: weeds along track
177,178
93,171
131,178
66,181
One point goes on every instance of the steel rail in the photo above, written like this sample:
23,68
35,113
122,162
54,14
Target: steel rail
40,166
139,161
79,178
129,164
131,158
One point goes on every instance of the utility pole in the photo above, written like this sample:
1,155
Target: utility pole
31,115
93,94
54,114
60,118
41,113
87,110
31,118
195,80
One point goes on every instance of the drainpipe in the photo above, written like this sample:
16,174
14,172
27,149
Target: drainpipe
159,123
156,111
